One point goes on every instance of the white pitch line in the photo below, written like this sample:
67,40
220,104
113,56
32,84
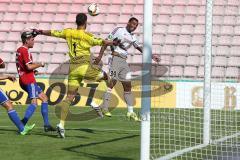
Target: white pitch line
98,129
52,113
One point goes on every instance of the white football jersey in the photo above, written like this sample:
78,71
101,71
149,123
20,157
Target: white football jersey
127,40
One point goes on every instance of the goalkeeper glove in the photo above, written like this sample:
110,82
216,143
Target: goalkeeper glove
36,32
116,41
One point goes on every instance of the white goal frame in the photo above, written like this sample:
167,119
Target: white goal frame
146,85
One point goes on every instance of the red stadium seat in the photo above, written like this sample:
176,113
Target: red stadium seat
196,50
37,48
3,36
200,72
181,49
127,9
58,58
6,56
166,59
50,8
27,7
187,29
218,72
35,17
115,9
18,26
3,7
9,17
193,60
14,36
48,47
171,39
190,71
47,17
21,17
39,8
107,28
61,48
63,8
220,61
176,19
176,71
44,57
53,69
232,72
233,61
11,68
14,7
198,39
9,47
179,60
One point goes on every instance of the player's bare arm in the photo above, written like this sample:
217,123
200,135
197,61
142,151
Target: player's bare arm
7,76
45,32
33,66
154,57
41,32
2,65
114,42
98,59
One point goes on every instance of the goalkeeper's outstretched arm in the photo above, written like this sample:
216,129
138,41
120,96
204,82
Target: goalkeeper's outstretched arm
106,43
98,59
41,32
2,64
7,76
46,32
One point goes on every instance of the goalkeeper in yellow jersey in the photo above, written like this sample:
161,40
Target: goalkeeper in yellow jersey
79,43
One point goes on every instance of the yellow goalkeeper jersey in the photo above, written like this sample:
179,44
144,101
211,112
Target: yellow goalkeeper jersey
79,41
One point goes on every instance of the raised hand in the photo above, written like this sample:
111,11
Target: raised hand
156,58
116,41
11,78
97,60
36,31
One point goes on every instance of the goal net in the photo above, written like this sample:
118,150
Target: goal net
197,116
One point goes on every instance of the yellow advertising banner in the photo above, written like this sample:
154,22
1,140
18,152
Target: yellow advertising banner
163,94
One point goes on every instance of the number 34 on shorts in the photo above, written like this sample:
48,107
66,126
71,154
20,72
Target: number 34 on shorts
113,73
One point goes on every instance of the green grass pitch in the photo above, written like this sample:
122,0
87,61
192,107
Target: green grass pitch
113,138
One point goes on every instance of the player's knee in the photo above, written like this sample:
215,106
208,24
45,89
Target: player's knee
105,76
8,106
127,86
34,101
70,97
43,97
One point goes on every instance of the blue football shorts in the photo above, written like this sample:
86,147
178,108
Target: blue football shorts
32,89
3,97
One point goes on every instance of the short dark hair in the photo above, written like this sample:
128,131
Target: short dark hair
133,19
26,35
81,19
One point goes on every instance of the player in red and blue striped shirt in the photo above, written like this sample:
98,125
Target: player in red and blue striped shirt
6,103
25,68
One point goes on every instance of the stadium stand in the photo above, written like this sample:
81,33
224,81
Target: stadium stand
178,31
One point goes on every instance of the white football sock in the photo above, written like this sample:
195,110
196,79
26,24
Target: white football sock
129,101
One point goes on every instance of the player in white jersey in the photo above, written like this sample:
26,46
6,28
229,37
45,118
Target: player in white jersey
119,69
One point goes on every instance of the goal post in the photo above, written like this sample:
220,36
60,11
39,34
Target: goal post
146,81
207,73
198,117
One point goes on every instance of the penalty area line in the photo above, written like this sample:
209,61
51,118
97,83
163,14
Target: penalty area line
98,129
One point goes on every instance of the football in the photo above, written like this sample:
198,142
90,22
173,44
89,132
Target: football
93,9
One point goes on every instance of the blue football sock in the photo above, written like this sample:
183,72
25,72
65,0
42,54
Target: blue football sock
29,112
44,111
15,119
